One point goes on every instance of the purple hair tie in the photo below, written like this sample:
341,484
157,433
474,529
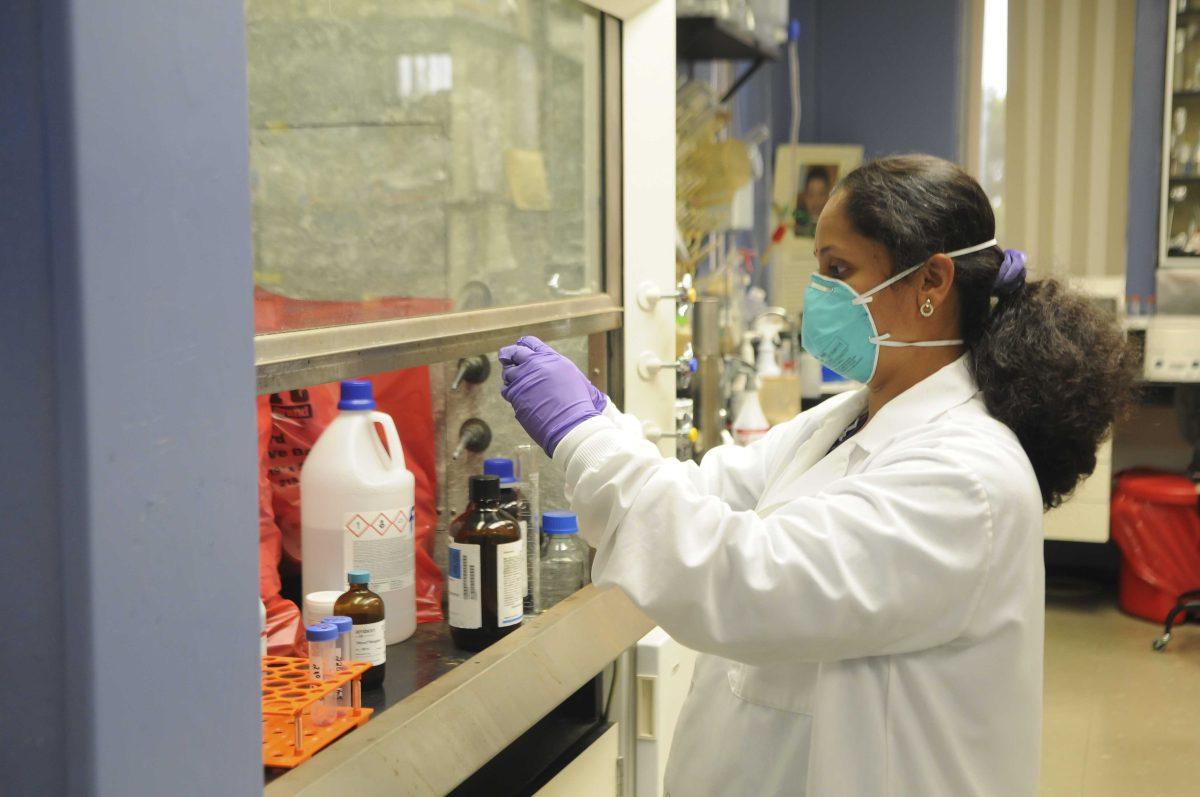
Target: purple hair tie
1012,273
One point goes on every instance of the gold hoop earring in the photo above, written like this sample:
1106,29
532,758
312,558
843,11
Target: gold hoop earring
927,309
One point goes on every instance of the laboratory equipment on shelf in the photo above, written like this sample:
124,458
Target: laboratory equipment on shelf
368,632
565,558
342,653
485,569
322,639
474,436
1172,349
357,508
710,168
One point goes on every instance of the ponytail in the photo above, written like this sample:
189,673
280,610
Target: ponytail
1057,371
1051,365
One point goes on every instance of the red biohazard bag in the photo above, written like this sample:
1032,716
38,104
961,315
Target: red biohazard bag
297,419
1157,527
285,630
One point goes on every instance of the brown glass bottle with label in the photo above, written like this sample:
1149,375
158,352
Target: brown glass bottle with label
365,610
486,573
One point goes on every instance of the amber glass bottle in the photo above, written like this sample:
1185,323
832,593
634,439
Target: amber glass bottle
486,575
365,610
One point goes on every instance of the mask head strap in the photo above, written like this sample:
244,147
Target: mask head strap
863,298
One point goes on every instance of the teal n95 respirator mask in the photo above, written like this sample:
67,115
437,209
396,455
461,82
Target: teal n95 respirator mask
839,330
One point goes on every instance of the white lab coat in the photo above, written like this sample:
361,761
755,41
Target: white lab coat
872,617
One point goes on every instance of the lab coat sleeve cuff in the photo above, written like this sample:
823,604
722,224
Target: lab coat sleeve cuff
564,452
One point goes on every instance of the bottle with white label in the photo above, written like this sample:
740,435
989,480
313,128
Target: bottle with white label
486,570
357,509
368,635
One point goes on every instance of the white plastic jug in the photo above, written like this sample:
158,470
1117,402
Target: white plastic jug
751,422
357,509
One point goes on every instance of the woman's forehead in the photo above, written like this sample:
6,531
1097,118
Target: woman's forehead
836,237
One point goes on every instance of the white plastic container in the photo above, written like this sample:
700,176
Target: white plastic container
319,604
751,422
357,509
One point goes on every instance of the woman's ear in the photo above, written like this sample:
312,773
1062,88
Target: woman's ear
937,278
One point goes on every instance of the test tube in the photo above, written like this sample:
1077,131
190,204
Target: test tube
322,639
341,654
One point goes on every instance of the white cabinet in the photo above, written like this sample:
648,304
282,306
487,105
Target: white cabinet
1084,516
593,773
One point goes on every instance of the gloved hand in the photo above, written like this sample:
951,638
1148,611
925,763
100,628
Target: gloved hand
549,395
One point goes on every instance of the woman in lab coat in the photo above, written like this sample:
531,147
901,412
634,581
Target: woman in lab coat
866,581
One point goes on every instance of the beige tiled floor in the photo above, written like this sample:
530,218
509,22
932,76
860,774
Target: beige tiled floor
1120,719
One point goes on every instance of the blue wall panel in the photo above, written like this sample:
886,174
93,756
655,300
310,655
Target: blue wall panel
128,475
884,75
30,540
1145,145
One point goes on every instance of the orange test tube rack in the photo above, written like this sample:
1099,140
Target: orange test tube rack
290,737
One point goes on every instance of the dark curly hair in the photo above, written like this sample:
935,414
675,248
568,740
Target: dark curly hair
1052,366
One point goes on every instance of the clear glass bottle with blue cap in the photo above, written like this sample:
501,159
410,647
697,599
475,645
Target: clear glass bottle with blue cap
514,502
564,557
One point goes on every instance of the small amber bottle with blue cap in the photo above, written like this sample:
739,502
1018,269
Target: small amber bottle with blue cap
367,636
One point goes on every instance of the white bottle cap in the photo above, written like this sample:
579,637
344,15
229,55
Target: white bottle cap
318,605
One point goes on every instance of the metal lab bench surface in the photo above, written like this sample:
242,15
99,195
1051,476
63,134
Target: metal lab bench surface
462,714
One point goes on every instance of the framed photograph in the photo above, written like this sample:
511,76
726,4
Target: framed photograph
805,174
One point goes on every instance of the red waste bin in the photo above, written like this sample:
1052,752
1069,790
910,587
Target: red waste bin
1157,526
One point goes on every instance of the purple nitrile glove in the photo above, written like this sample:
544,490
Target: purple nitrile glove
549,395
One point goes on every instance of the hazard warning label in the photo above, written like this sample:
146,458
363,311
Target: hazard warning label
381,542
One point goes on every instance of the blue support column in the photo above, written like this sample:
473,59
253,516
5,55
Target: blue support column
127,479
1145,145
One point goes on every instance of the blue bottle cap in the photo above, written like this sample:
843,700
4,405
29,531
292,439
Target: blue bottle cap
320,632
356,395
557,522
358,577
501,467
342,624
